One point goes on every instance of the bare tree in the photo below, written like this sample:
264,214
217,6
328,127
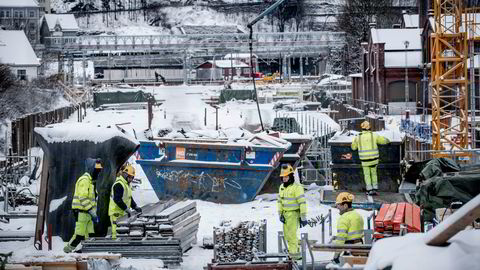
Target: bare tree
354,19
7,79
288,11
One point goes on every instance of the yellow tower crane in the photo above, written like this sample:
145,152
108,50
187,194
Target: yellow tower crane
449,79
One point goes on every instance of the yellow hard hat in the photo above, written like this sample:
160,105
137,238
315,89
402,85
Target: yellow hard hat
365,125
286,170
344,197
129,170
98,163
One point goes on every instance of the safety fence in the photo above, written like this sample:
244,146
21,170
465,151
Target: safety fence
22,137
345,111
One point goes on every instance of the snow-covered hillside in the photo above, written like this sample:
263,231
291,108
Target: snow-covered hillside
164,17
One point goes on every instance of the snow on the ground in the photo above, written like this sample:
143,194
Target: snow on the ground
184,103
212,214
411,252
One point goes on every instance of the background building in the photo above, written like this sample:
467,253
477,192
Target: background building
17,53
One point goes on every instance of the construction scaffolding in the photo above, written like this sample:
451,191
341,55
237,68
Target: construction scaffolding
449,78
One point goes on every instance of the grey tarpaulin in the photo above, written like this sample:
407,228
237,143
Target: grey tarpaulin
65,148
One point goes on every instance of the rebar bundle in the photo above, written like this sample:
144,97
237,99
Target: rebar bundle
239,242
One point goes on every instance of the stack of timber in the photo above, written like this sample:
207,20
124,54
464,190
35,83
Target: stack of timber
239,242
71,261
164,231
10,236
177,219
166,249
393,217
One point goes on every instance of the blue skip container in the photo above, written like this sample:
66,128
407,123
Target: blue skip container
217,171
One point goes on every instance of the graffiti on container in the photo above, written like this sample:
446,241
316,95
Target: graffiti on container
202,181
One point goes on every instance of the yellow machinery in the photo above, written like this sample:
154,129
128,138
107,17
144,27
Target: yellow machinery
270,77
449,78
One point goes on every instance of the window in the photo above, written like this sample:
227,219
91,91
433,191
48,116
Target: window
7,14
32,14
396,91
22,74
16,14
2,14
21,14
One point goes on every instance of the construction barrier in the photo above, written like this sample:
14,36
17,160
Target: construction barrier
22,137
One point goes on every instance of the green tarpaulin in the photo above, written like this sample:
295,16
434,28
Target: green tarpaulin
227,95
101,98
440,192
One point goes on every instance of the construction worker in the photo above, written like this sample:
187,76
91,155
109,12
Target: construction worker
121,200
350,223
292,209
367,144
84,203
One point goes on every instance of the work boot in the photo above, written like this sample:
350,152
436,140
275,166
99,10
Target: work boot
375,192
68,248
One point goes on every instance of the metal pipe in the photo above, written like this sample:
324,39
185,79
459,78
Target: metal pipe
330,222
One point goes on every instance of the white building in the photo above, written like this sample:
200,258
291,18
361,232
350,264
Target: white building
21,15
58,25
17,53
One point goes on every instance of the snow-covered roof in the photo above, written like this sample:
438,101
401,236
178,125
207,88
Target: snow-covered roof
209,29
394,38
397,59
238,55
67,22
228,64
333,79
18,3
411,20
16,50
67,132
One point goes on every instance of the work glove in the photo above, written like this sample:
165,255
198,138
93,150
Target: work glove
130,212
94,216
303,223
138,209
282,219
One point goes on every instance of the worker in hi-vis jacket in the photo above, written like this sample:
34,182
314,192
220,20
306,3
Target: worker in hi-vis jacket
349,224
292,209
367,144
84,203
121,199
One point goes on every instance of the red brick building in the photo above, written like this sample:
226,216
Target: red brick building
386,58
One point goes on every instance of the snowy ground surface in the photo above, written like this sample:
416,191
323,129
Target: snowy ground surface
183,107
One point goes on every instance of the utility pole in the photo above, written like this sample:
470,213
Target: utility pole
250,26
406,43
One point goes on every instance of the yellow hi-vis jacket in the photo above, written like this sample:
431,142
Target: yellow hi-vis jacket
349,227
367,144
84,196
113,208
292,198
